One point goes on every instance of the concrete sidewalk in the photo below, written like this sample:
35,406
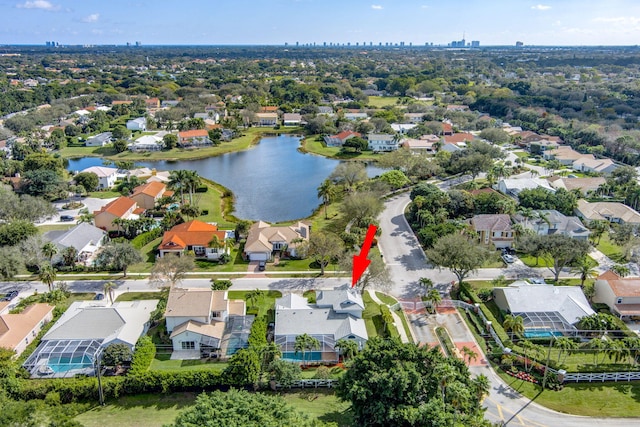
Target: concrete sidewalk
396,318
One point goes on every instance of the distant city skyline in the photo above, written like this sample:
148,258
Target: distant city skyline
276,22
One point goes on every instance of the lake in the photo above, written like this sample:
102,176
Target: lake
272,181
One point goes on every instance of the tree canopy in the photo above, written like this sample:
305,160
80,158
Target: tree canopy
393,384
458,254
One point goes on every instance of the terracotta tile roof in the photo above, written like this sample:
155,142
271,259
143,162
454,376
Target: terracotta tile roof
118,207
346,134
192,233
195,133
269,109
121,102
14,328
446,127
153,189
621,287
459,137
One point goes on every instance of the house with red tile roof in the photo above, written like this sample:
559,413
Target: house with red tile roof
339,139
447,129
620,294
18,330
146,195
193,236
122,207
460,138
193,138
152,103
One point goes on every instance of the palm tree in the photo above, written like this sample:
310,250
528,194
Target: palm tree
348,348
190,211
192,181
621,270
598,228
469,354
108,289
434,298
426,283
326,192
49,249
565,345
253,297
178,181
305,342
47,275
481,385
597,345
585,269
633,343
85,216
515,324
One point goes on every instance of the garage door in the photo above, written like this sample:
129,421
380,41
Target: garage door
258,256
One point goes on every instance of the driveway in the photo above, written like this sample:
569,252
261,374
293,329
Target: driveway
90,203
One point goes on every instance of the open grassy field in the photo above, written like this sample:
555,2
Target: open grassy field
610,249
151,410
383,101
264,305
162,363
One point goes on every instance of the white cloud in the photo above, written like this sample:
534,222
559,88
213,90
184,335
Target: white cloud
38,4
376,7
91,18
541,7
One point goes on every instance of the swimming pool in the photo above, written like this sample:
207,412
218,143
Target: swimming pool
314,356
66,364
541,334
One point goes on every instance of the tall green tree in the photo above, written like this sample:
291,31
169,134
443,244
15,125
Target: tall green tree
348,348
433,298
47,275
393,384
11,262
458,254
243,368
513,324
326,192
118,256
324,247
169,270
304,343
561,251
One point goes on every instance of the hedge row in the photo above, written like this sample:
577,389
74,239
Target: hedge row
143,355
82,389
141,240
389,323
258,334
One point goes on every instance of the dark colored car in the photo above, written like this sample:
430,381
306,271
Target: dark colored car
262,265
99,297
66,218
10,295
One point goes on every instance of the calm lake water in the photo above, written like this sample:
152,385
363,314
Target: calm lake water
272,181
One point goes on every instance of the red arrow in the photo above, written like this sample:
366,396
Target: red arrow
361,262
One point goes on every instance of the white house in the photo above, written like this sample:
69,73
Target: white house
146,143
291,119
550,221
106,176
382,142
513,186
544,308
337,314
137,124
99,140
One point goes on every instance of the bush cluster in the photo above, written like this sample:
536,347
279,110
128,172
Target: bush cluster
143,356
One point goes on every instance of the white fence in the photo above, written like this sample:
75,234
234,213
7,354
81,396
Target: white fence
312,383
600,377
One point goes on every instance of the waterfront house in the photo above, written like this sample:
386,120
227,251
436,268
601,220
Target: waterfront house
263,240
106,176
99,140
139,124
196,236
122,207
193,138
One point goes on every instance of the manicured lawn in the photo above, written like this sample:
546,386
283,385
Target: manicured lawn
387,299
163,363
52,227
265,305
312,145
321,404
219,207
298,265
151,410
610,249
145,410
104,194
372,317
592,400
530,261
520,154
135,296
383,101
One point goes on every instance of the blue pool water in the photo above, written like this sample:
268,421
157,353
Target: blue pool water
66,364
314,356
542,334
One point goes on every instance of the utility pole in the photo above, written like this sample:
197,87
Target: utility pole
98,374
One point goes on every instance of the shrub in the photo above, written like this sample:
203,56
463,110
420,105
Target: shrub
258,334
220,284
143,355
142,239
322,373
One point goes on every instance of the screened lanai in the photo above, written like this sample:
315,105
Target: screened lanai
62,358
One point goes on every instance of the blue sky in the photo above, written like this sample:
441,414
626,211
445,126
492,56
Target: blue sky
492,22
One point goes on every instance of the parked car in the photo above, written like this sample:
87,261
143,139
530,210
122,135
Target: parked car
99,297
509,259
66,218
10,295
262,265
